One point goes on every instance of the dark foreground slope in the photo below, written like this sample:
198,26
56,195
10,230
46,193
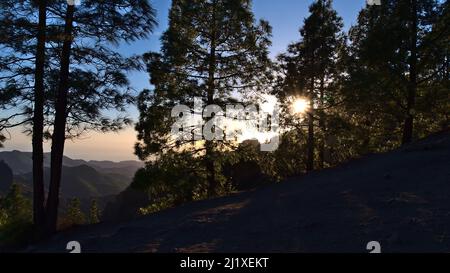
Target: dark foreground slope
401,199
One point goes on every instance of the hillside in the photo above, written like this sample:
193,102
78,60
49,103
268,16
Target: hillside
83,181
6,177
80,178
400,199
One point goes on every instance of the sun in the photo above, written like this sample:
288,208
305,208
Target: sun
299,106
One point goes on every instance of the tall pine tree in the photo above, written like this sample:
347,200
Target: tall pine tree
102,23
311,67
397,56
83,74
214,50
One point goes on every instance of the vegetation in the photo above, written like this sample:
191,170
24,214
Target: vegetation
94,213
74,215
59,67
382,84
364,92
213,50
15,218
311,71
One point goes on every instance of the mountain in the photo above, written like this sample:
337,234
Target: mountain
80,178
83,182
127,168
19,162
400,199
22,163
6,177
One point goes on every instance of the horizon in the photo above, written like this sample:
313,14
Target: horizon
285,20
74,159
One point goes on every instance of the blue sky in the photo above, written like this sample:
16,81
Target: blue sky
285,17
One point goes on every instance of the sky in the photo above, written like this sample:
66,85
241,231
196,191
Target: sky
285,17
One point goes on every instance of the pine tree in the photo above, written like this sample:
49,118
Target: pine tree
390,69
213,49
94,213
84,75
22,62
74,215
16,206
311,67
120,21
15,217
38,120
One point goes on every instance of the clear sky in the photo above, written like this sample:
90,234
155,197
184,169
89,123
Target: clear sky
285,17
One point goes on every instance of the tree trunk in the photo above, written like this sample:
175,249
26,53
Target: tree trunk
59,129
322,125
412,85
38,123
210,169
310,141
209,145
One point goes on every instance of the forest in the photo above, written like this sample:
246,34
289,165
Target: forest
341,95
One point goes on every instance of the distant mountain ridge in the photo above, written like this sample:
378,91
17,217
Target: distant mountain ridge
80,178
82,181
22,163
